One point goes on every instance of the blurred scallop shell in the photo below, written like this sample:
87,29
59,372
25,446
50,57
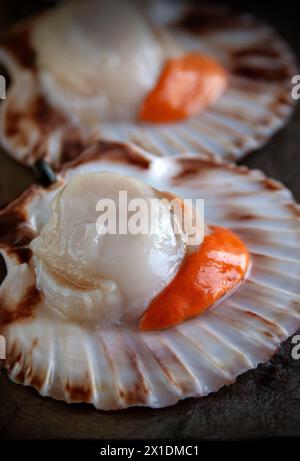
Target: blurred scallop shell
257,103
119,367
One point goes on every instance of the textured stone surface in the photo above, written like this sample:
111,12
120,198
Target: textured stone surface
262,403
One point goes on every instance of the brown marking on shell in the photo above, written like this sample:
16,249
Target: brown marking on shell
259,137
257,50
23,310
267,334
205,19
138,394
281,103
13,121
41,114
272,184
294,305
16,360
74,142
294,208
284,98
242,68
44,115
79,393
261,73
19,45
235,215
15,232
186,173
22,254
190,167
13,228
115,152
240,142
270,325
183,385
37,381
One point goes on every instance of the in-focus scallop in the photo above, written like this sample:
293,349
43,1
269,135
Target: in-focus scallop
126,320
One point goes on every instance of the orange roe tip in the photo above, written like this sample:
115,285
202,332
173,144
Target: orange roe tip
186,86
219,264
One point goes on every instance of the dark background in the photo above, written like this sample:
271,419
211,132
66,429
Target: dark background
263,403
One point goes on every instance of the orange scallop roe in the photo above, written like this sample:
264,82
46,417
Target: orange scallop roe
216,267
186,86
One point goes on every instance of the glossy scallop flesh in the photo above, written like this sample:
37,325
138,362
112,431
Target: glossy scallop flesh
119,367
256,104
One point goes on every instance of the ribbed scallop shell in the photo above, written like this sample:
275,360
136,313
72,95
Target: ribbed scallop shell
120,367
256,104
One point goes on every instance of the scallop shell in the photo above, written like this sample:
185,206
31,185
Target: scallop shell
256,104
119,367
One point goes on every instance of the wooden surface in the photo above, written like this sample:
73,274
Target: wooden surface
263,403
